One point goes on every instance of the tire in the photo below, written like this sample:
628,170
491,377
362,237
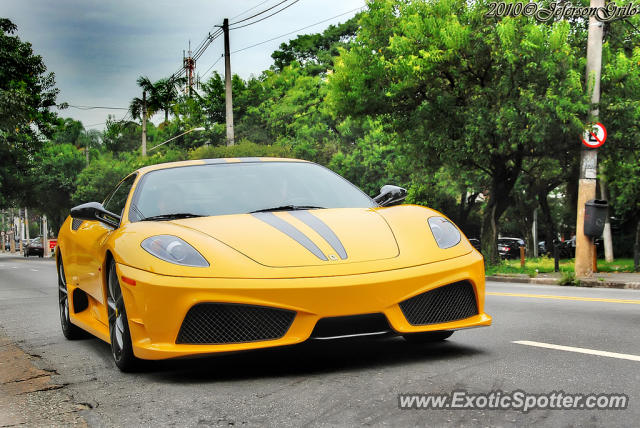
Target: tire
70,331
427,337
119,334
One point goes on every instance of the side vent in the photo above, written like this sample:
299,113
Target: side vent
80,301
76,223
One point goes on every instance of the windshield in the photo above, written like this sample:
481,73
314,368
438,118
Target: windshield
236,188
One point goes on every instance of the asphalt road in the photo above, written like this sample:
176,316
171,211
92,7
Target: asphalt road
349,382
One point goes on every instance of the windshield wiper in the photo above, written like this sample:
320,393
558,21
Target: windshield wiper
173,216
287,208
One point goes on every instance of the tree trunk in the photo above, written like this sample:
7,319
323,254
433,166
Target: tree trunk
498,203
166,115
466,206
550,234
489,236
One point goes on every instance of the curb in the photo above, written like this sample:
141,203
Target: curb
587,283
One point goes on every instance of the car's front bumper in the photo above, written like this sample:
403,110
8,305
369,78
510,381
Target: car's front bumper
157,304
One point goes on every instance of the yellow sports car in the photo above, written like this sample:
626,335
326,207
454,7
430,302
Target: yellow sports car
219,255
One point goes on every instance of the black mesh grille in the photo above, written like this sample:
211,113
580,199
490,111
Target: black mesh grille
443,304
213,323
76,223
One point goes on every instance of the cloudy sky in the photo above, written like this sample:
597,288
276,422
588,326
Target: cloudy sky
97,49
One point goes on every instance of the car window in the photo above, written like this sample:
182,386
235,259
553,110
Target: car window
235,188
118,198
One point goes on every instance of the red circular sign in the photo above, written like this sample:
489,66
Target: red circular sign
595,137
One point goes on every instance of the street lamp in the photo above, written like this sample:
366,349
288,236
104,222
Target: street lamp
173,138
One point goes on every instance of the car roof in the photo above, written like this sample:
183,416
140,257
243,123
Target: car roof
166,165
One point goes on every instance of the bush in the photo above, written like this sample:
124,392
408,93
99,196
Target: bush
568,278
244,148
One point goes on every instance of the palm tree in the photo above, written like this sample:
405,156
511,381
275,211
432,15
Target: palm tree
161,95
167,93
149,90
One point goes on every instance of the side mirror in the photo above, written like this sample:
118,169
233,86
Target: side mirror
390,195
93,211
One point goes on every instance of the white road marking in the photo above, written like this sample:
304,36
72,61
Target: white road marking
33,270
579,350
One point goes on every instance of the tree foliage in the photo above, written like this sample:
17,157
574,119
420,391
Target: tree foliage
27,92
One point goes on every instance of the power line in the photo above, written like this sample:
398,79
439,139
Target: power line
260,13
212,65
62,106
268,16
94,124
299,29
210,38
250,9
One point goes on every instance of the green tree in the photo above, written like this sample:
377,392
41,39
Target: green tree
27,92
121,136
53,180
465,91
315,52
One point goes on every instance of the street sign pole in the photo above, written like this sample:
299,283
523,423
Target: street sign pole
585,248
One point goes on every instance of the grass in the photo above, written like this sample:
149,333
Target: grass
533,266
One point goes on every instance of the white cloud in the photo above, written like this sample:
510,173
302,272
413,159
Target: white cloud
97,49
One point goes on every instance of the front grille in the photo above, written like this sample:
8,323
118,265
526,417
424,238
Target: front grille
215,323
350,325
450,302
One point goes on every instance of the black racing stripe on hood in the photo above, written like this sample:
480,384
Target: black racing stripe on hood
322,229
292,232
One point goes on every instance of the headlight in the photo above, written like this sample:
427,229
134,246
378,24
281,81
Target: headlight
174,250
446,234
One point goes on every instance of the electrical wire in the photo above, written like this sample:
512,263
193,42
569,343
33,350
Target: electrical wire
210,38
260,13
60,106
211,66
266,17
299,29
250,9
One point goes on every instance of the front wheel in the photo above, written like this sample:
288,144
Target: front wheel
121,348
427,337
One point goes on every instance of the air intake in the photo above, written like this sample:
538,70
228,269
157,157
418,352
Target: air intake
450,302
217,323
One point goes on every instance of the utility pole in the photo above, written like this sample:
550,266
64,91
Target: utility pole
534,232
227,83
585,248
26,222
86,149
144,123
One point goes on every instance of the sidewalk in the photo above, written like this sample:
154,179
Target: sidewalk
599,280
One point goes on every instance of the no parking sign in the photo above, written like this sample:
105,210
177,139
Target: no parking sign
595,137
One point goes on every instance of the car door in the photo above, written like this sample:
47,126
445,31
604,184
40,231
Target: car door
91,238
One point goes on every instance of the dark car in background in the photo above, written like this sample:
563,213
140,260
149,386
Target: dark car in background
509,248
34,248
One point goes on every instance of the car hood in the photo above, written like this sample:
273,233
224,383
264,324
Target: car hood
303,237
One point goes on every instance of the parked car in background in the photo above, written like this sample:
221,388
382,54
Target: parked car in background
509,248
34,248
542,248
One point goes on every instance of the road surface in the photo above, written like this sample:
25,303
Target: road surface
544,339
